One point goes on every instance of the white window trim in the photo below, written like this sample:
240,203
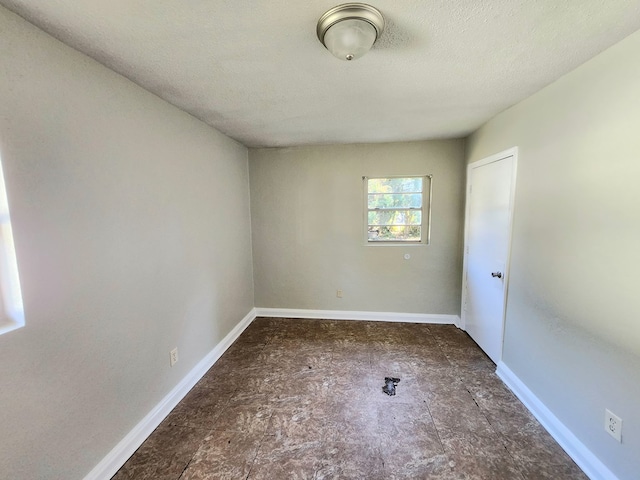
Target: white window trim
426,239
11,307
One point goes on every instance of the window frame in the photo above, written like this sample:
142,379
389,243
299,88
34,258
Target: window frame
425,225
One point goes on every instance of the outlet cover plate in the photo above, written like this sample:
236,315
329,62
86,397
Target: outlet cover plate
173,356
613,424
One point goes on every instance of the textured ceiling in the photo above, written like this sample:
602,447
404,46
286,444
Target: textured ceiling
255,70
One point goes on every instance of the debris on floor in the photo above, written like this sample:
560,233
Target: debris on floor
390,385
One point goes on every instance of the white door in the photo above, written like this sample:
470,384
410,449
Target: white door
490,193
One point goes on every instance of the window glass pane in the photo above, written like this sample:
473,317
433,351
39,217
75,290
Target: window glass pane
391,233
394,185
394,209
395,200
395,217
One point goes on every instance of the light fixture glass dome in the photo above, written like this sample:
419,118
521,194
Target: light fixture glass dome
349,30
350,39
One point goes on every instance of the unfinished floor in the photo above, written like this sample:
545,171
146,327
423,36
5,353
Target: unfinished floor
303,399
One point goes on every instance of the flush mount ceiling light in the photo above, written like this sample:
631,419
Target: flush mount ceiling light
349,31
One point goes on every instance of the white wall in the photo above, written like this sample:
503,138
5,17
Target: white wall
132,230
307,219
573,320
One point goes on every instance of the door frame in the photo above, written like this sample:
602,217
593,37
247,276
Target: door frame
511,152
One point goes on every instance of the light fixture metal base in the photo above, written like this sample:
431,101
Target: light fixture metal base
347,11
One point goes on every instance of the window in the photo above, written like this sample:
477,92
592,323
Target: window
11,309
396,210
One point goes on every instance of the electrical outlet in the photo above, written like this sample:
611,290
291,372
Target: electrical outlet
613,425
339,293
173,356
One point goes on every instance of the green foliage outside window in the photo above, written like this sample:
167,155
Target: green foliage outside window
394,209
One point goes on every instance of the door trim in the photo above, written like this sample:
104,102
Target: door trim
511,152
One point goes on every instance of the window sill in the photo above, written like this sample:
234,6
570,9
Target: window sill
396,244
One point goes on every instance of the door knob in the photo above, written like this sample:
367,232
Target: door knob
496,274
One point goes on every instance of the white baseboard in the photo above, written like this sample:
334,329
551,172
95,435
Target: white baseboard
356,315
129,444
584,458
